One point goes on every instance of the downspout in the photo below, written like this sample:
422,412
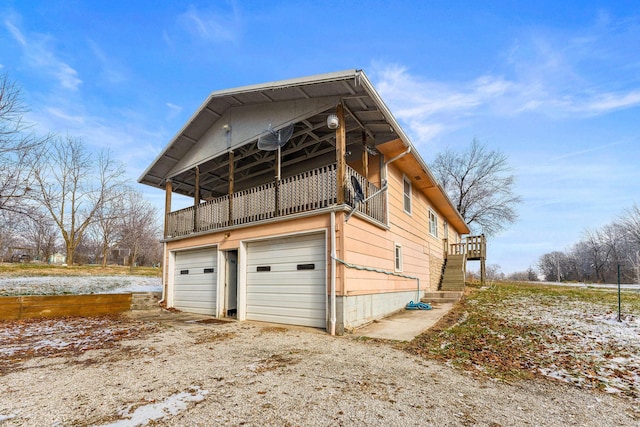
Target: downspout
335,259
398,156
332,320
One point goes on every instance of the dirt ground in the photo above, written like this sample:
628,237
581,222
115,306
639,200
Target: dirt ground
164,368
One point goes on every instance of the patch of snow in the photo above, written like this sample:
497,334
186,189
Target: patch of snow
172,405
51,336
587,333
6,417
61,285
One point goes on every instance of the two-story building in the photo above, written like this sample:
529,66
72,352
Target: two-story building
310,207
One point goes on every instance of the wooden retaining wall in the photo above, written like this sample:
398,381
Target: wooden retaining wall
25,307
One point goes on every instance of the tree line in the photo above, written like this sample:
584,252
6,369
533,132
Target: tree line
596,257
58,196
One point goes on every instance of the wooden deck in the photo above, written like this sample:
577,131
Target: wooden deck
472,248
310,190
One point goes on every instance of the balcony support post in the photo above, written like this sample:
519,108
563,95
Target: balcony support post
196,199
168,189
277,186
232,168
341,148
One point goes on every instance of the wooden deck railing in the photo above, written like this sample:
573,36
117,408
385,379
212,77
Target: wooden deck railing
474,247
307,191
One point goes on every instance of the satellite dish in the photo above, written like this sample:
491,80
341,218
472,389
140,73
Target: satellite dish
275,139
359,196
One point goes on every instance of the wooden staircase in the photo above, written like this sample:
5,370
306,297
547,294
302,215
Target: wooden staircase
454,273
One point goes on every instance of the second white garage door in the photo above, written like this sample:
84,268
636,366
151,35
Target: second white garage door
286,280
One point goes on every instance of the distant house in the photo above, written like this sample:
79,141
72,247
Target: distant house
342,225
57,258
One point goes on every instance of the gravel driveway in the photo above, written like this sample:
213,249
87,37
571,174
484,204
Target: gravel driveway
166,369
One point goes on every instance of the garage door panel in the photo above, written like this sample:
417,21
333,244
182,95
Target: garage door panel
195,281
286,278
291,288
282,290
294,317
297,299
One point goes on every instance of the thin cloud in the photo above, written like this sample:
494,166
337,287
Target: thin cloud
548,72
112,71
588,150
39,55
210,26
430,108
614,101
174,110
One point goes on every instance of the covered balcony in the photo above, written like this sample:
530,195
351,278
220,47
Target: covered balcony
310,190
335,126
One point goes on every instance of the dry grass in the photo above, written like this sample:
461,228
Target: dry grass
518,331
37,269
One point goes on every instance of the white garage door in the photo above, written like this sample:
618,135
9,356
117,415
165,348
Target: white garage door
286,280
195,281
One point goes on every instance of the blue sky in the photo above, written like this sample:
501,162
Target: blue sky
553,85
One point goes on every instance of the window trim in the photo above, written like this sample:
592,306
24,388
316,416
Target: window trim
398,259
433,230
405,196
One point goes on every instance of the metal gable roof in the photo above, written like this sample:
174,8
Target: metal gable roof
346,86
365,113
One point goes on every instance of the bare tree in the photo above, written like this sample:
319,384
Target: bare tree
554,266
105,229
17,143
480,184
41,234
599,252
630,223
138,225
8,233
72,185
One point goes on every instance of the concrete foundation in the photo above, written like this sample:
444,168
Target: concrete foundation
358,310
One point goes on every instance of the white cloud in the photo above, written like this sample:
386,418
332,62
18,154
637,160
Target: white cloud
40,56
174,110
613,101
212,26
112,71
559,74
430,108
15,32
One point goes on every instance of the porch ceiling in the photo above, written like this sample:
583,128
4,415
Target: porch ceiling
312,144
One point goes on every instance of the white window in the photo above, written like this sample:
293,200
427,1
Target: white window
398,257
445,226
406,194
433,223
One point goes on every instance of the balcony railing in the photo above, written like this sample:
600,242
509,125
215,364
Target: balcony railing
307,191
474,247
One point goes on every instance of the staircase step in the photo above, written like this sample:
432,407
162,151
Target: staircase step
441,297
